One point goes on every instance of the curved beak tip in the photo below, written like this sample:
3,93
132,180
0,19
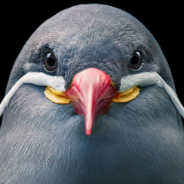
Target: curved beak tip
88,133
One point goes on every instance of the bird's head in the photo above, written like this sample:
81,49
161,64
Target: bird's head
97,58
96,70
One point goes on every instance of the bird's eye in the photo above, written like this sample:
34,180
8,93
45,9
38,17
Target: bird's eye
49,62
136,62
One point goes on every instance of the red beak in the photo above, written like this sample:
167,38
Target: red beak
91,94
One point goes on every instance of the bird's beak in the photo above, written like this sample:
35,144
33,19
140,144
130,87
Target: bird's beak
91,94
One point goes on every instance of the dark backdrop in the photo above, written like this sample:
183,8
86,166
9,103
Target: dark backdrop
164,21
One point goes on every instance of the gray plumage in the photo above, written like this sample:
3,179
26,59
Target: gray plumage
138,142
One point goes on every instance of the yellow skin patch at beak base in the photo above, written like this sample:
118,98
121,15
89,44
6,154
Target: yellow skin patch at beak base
59,97
56,96
128,95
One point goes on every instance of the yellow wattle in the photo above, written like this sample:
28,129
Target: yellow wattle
128,95
56,96
59,97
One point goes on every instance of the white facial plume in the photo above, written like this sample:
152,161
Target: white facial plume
58,83
36,78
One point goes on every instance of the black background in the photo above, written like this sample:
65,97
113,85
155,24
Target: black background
164,21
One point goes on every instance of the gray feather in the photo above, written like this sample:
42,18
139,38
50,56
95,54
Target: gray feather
137,142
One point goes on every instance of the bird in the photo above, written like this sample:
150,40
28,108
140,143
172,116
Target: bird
91,99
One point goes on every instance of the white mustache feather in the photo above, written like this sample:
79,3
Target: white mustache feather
149,78
36,78
142,79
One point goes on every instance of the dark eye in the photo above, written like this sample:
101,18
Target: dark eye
49,62
136,62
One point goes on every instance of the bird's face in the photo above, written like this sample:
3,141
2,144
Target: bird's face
100,54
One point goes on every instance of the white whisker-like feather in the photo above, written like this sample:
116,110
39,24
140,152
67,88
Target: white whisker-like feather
36,78
142,79
149,78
